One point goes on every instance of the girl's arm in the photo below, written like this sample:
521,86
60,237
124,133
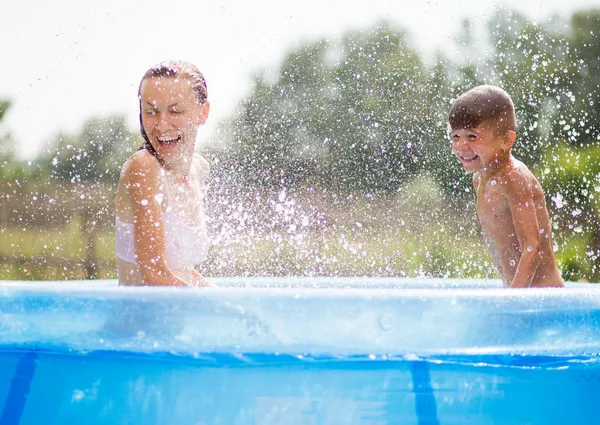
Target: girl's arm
200,281
144,185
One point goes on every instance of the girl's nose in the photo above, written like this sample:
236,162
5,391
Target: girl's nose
162,122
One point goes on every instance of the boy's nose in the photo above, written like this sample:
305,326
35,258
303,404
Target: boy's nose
462,141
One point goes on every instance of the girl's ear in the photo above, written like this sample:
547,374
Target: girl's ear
205,109
509,139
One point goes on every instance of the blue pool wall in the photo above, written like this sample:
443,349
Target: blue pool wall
298,351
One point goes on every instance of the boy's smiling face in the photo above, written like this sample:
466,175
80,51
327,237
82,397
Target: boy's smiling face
478,147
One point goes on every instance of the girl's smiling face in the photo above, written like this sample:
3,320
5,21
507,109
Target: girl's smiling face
171,116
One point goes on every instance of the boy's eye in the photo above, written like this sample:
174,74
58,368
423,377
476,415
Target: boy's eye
472,137
150,112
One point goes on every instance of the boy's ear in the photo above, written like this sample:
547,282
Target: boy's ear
509,139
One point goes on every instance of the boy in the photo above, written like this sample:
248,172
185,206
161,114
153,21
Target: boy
510,201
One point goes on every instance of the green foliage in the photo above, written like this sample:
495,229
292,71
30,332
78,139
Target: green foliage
365,114
95,154
573,261
584,84
571,178
356,114
10,167
6,151
4,105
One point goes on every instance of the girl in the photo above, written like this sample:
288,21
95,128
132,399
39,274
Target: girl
161,232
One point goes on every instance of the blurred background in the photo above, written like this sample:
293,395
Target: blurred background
327,137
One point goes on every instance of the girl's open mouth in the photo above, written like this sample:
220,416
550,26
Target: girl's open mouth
169,141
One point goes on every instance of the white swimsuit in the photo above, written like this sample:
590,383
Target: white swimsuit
186,246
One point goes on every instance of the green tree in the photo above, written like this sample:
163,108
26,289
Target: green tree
531,62
347,113
571,164
9,165
571,178
578,122
95,154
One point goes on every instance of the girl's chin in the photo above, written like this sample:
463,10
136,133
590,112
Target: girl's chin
172,147
177,154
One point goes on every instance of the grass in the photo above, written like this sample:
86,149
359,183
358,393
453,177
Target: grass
53,253
415,234
56,254
358,252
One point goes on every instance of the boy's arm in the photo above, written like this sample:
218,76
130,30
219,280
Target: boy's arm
519,196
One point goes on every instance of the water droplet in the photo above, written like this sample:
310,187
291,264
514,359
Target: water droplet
558,200
386,322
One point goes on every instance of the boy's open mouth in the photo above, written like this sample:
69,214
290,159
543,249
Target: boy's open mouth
468,159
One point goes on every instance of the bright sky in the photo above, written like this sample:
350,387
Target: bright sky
63,61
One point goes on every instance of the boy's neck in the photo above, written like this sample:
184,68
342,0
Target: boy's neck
499,163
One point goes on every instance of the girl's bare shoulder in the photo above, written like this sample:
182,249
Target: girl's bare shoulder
202,166
139,164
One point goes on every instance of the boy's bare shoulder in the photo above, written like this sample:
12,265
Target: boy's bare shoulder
518,178
520,170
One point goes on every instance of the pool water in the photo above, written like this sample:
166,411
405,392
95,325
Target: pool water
299,351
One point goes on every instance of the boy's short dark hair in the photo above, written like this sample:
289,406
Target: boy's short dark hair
483,103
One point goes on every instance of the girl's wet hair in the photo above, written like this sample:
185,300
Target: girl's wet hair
173,69
483,103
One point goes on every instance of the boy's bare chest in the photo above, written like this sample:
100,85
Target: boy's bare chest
492,207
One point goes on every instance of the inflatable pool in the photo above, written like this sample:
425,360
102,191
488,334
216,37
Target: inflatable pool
299,351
